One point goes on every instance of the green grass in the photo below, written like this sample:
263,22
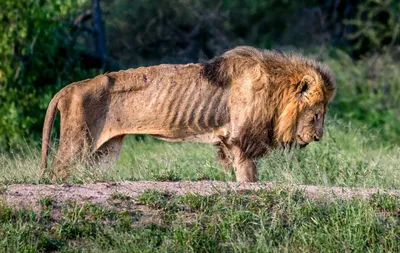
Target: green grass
263,221
347,156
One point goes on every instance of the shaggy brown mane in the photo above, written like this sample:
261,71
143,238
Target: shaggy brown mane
222,69
276,76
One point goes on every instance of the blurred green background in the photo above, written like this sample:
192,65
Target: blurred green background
46,44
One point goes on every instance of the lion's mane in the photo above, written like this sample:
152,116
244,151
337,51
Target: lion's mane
271,116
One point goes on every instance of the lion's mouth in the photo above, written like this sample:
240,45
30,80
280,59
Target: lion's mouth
301,142
303,145
294,144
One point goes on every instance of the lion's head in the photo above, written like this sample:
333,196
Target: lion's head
310,125
305,105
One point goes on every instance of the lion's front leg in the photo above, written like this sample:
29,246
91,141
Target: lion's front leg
246,170
230,154
225,157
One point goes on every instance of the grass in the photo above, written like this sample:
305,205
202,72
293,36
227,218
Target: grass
347,156
262,221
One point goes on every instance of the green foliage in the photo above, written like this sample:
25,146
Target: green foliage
368,93
154,199
46,202
120,196
36,59
181,31
255,23
375,25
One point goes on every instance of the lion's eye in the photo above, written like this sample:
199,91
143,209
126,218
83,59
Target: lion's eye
316,117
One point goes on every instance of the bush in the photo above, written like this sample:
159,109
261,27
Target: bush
375,26
368,93
37,57
181,31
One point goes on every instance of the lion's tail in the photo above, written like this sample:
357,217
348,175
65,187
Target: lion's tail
47,128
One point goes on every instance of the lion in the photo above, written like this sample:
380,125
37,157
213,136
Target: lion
246,101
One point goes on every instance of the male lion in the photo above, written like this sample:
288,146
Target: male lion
246,101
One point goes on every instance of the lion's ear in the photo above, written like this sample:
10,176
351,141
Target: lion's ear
304,85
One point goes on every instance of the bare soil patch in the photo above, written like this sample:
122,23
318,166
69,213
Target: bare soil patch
28,195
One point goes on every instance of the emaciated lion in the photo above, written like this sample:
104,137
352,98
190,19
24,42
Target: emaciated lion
246,101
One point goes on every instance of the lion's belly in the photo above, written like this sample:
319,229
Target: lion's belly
203,138
214,136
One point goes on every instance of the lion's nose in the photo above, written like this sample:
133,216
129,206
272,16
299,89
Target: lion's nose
316,137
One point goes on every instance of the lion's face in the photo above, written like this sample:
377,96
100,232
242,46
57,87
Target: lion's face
310,125
302,119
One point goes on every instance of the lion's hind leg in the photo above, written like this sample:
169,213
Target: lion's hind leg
67,153
74,147
225,157
108,153
232,156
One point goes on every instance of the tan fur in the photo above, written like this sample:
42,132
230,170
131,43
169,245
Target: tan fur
246,101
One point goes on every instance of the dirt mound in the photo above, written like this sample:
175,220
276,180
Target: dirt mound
28,195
